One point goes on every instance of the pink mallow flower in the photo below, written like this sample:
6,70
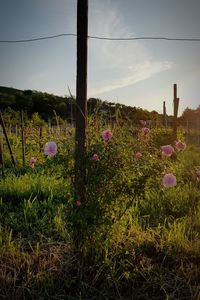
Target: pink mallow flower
95,157
107,135
78,203
138,155
180,146
198,175
32,161
169,180
167,150
143,122
50,149
145,130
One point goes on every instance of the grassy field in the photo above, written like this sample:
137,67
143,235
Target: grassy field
133,238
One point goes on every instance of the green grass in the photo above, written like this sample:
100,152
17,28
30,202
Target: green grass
141,240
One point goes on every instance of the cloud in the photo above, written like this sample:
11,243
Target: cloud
116,64
142,72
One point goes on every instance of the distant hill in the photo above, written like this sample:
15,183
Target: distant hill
47,104
9,90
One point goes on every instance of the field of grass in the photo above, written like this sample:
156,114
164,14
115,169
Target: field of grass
133,238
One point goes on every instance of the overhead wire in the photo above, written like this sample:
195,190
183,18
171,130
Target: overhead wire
102,38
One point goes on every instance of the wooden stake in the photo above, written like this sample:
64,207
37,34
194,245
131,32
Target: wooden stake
175,90
81,99
176,105
164,115
6,137
23,140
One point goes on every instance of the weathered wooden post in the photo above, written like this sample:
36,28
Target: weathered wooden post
176,105
22,137
81,100
164,115
6,137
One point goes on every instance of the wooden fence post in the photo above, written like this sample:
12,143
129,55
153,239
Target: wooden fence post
22,136
6,137
164,115
176,105
81,99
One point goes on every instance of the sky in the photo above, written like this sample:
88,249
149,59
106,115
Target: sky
136,73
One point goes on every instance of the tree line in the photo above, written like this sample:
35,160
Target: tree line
43,107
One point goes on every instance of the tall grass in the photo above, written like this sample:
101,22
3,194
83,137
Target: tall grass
141,239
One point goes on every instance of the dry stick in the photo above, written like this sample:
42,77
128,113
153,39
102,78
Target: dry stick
57,129
7,140
23,140
187,135
40,138
176,105
49,127
16,130
71,106
1,157
197,132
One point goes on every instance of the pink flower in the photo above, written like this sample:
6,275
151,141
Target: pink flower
138,155
180,146
169,180
78,203
145,130
32,162
95,157
167,150
198,175
50,149
143,122
106,135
